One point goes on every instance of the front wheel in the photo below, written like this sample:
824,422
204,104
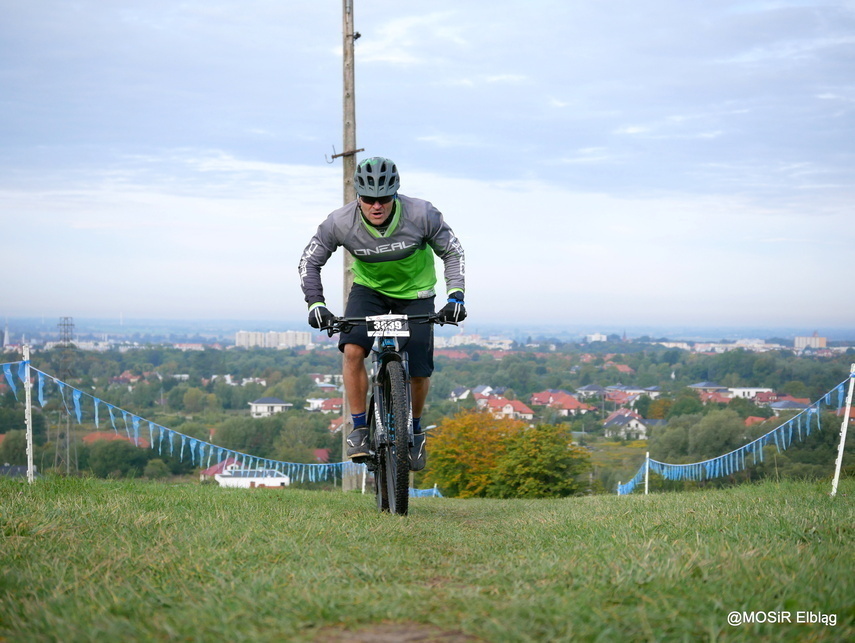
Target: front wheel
396,465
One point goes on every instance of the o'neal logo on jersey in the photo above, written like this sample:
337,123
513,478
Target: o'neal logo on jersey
386,247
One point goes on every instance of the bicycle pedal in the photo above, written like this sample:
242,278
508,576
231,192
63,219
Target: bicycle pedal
362,459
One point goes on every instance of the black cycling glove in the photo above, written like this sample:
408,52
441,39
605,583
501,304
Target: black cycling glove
454,311
320,317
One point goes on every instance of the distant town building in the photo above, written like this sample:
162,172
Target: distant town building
747,392
267,406
461,339
596,337
272,339
195,346
814,341
708,387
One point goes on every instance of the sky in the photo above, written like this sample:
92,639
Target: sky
615,163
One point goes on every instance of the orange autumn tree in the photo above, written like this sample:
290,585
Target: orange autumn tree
465,450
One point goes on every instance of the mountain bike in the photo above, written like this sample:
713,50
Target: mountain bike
390,411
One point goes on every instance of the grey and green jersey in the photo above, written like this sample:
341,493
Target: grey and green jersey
397,262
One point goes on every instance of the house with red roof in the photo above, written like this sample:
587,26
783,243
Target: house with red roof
565,403
504,408
452,354
621,368
543,398
621,413
621,398
715,397
797,400
324,404
331,405
627,427
765,398
220,467
127,377
751,420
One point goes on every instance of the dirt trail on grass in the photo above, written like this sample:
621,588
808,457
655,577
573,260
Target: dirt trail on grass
393,633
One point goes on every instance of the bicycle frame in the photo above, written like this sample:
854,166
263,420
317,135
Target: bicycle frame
390,398
386,349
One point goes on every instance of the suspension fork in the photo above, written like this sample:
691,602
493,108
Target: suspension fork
386,352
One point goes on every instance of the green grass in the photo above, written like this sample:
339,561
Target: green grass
83,560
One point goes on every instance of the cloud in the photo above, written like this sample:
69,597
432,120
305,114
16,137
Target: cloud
590,155
512,79
632,130
792,50
450,140
412,40
605,158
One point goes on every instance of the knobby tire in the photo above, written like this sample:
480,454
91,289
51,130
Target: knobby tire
397,456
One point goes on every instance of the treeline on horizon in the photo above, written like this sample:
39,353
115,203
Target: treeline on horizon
201,404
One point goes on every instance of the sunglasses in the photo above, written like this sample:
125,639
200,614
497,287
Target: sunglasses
371,200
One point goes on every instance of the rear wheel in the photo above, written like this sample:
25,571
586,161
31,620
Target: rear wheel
397,452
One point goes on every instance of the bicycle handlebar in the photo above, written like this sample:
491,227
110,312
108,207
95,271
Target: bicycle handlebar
344,324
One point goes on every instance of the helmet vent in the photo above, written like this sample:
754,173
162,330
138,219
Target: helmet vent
376,177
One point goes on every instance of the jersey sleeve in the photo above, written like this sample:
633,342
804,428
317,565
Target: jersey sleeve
447,247
314,257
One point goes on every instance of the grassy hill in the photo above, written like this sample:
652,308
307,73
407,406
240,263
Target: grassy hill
83,560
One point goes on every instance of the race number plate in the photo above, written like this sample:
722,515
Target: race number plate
388,326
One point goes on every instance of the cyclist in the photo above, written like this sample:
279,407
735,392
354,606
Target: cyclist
392,239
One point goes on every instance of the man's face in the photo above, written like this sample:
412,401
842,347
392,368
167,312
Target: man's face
375,211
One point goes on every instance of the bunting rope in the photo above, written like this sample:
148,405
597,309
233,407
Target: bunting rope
165,439
425,493
799,426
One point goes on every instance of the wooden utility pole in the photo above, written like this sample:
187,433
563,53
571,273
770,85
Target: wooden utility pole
348,483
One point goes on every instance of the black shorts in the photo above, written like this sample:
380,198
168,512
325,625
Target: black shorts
364,302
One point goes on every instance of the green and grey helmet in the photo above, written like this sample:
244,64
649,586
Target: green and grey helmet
376,177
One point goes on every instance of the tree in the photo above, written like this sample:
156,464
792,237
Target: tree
659,408
304,387
746,408
670,443
642,405
717,433
687,402
796,389
247,435
301,435
156,469
539,462
13,419
194,400
116,458
464,452
13,449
